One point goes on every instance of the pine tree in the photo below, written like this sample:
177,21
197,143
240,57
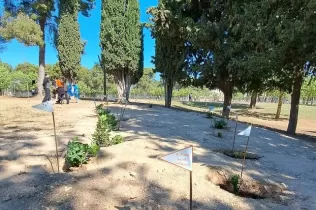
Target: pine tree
120,42
69,44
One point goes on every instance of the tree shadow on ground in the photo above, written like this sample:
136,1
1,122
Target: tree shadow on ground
302,136
95,190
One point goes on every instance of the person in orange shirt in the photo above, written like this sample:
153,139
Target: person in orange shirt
60,90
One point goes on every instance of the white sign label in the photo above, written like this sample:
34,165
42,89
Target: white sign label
211,108
181,158
245,132
46,106
229,107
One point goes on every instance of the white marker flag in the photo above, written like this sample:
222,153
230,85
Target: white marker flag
229,107
45,106
181,158
245,132
211,108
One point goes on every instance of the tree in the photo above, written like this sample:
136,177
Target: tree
309,90
120,42
296,34
41,12
53,70
22,27
69,45
5,77
26,68
170,45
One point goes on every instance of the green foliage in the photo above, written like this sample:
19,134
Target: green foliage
169,57
22,81
118,139
93,149
219,135
53,70
5,77
27,68
76,153
219,124
101,135
209,115
120,41
69,44
234,180
23,28
239,154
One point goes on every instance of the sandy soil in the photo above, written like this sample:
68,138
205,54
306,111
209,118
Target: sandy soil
129,175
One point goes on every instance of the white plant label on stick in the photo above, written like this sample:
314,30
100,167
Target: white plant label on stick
211,108
181,158
245,132
45,106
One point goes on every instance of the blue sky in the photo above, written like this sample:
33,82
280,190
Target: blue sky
16,53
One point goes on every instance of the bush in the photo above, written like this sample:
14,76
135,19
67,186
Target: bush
118,139
111,122
76,153
219,124
93,149
101,135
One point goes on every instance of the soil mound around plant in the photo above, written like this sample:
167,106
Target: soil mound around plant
248,187
239,154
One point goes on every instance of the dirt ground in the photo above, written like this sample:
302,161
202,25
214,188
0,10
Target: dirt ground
129,175
263,115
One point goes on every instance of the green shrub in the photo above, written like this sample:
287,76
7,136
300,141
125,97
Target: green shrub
209,115
101,135
220,135
93,149
118,139
76,153
111,122
219,124
234,180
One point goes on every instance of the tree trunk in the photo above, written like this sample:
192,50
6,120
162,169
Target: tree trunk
295,101
104,86
123,81
228,95
278,113
168,92
41,60
253,100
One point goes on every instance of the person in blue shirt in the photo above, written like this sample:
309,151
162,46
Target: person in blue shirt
76,91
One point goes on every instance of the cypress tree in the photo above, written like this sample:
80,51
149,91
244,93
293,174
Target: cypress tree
120,42
69,44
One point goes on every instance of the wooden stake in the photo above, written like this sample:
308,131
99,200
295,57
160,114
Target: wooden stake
56,144
190,190
235,133
244,160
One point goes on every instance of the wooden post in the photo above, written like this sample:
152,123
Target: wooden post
56,144
244,160
191,189
235,133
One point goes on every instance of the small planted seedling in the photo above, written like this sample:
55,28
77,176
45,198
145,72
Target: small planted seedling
234,180
118,139
209,115
219,135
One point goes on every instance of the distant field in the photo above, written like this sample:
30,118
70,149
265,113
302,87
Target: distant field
263,115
